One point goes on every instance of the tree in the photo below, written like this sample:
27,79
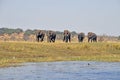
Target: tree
118,37
18,30
10,31
28,32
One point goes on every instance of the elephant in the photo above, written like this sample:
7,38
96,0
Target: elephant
51,36
92,37
67,36
81,37
40,35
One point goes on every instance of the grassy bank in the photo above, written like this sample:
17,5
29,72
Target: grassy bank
12,53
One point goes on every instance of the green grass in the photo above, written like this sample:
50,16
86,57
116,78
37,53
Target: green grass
12,53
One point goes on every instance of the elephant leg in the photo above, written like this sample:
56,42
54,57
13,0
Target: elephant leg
89,40
37,39
92,40
41,39
50,40
69,39
95,39
64,39
53,40
78,39
81,39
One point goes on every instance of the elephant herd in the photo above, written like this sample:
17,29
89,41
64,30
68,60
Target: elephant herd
51,36
92,37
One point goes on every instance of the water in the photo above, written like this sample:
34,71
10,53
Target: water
70,70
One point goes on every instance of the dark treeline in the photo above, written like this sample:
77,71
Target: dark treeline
10,31
26,32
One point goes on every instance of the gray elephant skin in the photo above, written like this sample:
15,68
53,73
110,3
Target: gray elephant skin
40,36
67,36
81,37
92,37
51,36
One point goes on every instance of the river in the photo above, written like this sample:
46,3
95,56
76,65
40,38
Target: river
64,70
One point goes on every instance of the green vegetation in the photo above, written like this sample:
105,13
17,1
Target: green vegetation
12,53
118,37
29,32
10,31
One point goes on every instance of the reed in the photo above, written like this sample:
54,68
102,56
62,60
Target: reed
12,53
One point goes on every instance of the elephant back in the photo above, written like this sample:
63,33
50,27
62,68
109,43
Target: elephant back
81,34
50,32
89,34
40,32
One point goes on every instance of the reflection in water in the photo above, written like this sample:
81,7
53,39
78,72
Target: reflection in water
72,70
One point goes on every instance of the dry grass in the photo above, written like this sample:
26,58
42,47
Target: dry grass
17,52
